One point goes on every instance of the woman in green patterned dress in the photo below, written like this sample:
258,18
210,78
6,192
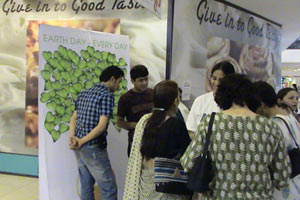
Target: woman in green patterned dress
243,146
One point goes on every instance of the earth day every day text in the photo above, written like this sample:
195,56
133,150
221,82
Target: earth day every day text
58,39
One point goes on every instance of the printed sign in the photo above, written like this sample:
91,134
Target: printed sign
70,60
206,32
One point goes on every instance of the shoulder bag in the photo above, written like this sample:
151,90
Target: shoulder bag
202,172
169,177
294,153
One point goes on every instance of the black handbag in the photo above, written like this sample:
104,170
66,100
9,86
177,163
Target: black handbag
202,172
169,177
294,153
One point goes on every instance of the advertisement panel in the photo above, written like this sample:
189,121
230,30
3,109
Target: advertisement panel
19,53
70,61
206,32
19,22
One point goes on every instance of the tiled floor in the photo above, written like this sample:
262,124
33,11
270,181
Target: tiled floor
18,187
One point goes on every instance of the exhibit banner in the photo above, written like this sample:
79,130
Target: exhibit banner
71,60
19,22
19,50
206,32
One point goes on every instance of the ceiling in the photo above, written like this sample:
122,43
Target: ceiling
285,12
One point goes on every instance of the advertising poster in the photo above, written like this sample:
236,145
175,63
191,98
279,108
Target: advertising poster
71,60
206,32
19,22
32,50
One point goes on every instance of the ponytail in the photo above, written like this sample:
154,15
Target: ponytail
164,95
149,141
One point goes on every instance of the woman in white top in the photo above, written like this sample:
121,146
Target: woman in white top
270,108
205,104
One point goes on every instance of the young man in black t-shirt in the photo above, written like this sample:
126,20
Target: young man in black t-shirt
135,103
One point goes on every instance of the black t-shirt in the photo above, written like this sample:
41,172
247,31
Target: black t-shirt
133,106
173,138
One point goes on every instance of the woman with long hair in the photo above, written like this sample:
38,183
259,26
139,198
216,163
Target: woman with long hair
158,134
243,146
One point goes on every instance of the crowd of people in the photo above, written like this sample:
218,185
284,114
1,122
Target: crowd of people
252,131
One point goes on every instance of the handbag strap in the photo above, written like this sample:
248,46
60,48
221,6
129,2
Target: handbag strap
208,134
288,129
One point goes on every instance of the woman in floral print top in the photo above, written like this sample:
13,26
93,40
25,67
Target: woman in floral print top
244,147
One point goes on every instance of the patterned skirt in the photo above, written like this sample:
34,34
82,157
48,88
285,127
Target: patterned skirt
147,189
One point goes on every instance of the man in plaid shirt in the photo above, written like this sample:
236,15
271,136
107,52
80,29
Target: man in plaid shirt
88,131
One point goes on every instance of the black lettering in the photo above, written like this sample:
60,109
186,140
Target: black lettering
4,9
219,19
121,5
91,6
74,7
63,7
200,15
20,8
208,16
38,9
240,25
253,29
56,5
137,5
272,34
115,3
250,23
46,7
131,5
84,6
100,6
229,22
11,7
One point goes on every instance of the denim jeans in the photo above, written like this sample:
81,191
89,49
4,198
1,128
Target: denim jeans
94,166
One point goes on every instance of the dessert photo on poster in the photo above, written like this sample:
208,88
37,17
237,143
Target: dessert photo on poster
254,61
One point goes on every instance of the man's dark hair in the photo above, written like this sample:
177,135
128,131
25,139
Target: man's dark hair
138,71
225,66
265,93
236,89
111,71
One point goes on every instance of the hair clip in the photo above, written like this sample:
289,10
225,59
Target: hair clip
160,109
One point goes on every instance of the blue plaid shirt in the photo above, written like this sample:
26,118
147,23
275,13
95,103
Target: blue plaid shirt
90,105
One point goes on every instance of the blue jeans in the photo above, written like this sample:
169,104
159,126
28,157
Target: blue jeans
94,166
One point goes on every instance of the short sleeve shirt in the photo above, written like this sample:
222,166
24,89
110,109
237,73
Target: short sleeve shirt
133,106
90,105
202,106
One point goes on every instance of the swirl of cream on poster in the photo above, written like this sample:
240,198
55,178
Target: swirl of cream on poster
152,53
12,81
